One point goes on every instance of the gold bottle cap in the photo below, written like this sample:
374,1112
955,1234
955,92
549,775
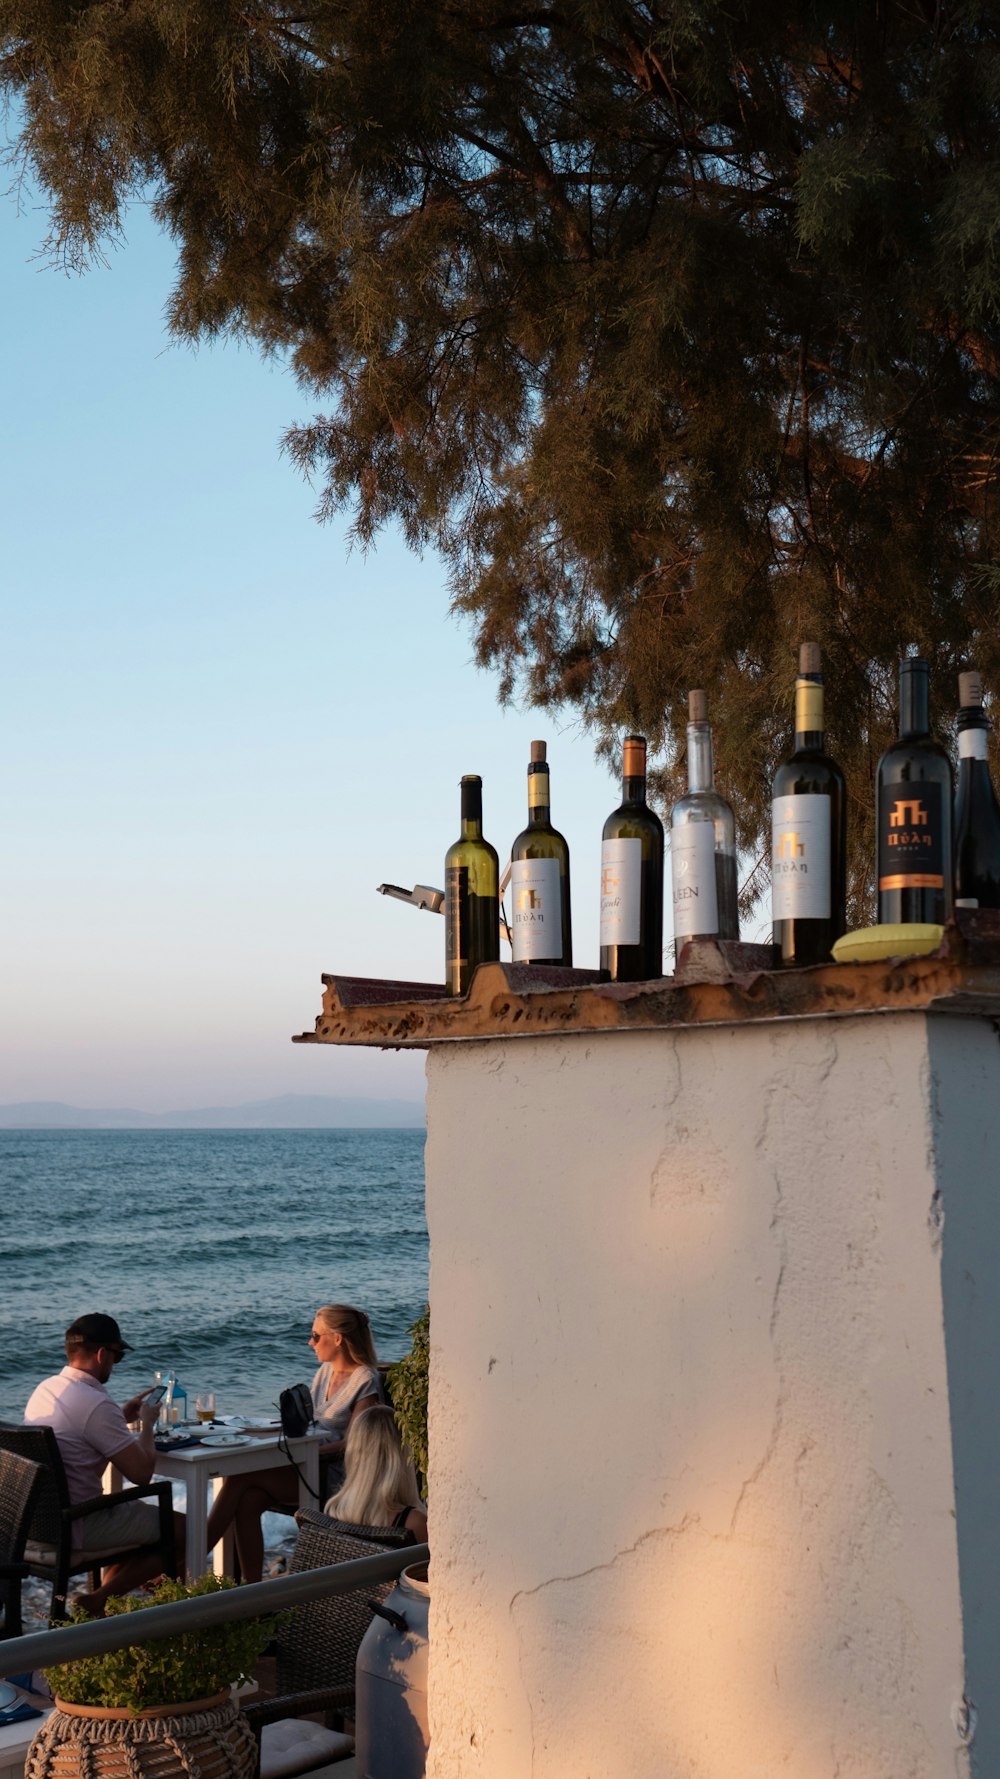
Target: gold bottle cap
537,752
810,658
970,688
697,707
635,756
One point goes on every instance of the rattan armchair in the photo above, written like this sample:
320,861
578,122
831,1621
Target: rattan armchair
20,1480
48,1551
316,1649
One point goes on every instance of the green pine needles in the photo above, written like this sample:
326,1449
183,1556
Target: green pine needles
673,324
171,1670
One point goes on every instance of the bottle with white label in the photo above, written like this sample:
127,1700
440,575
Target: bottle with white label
632,879
702,844
540,925
808,833
977,814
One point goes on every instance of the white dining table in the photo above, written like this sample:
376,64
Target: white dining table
201,1464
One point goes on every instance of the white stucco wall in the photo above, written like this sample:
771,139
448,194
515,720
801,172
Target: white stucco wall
692,1500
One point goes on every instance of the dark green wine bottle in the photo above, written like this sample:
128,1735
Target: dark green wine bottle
977,813
632,879
808,833
540,926
914,812
471,895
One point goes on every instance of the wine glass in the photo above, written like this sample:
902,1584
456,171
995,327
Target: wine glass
204,1405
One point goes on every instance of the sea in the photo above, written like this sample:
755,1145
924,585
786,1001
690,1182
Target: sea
212,1248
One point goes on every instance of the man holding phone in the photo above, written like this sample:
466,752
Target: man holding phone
92,1431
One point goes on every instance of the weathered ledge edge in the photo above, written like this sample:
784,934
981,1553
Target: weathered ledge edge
715,985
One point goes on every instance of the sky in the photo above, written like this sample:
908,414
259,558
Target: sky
220,728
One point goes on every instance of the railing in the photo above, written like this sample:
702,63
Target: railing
42,1649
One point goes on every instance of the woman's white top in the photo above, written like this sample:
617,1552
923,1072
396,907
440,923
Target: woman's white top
334,1412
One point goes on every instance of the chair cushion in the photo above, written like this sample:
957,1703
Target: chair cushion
46,1553
296,1745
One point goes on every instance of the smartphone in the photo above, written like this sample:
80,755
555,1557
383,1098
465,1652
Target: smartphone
156,1395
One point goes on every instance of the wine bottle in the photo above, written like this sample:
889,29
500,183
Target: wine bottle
540,927
808,833
702,844
913,816
977,813
471,895
632,879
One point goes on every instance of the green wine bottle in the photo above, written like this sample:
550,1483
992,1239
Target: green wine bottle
632,879
471,895
808,833
540,926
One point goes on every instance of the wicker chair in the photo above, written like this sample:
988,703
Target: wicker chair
316,1650
48,1551
20,1481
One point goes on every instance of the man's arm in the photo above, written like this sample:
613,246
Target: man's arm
137,1460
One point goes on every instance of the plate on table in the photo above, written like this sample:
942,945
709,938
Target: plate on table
227,1439
9,1695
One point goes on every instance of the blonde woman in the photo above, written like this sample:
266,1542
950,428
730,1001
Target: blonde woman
380,1487
345,1387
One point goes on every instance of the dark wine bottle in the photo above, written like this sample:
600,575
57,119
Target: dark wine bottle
977,813
913,815
702,844
471,895
632,879
808,833
540,925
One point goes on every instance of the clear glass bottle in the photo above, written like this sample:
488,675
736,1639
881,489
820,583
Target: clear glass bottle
632,878
702,844
977,813
914,812
808,832
540,923
471,895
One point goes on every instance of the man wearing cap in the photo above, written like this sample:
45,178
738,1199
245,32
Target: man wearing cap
92,1431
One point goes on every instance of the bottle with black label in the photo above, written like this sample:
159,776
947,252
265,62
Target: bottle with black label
540,927
471,895
913,814
702,844
632,879
808,833
977,814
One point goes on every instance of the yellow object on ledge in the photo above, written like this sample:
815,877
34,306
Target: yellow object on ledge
902,939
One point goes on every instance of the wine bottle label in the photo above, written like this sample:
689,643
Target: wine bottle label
910,854
621,891
800,857
456,912
536,909
692,867
972,744
966,901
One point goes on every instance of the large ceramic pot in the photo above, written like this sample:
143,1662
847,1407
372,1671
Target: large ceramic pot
390,1713
207,1738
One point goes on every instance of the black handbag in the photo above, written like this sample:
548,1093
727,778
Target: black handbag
296,1408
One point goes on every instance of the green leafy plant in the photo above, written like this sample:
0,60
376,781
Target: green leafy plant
172,1670
407,1384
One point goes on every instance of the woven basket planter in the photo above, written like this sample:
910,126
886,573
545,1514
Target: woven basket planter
207,1739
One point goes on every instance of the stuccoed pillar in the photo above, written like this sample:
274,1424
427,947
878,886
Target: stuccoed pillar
714,1428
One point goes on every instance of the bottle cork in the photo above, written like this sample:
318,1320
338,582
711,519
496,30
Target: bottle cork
970,689
697,707
538,749
810,658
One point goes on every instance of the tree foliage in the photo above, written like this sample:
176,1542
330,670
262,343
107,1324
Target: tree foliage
674,324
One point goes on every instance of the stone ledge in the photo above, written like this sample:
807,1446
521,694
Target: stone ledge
716,985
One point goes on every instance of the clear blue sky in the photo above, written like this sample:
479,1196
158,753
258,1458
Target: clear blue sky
220,729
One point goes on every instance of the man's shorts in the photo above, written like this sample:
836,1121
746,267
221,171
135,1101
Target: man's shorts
131,1522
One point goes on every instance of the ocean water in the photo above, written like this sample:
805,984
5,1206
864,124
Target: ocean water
212,1248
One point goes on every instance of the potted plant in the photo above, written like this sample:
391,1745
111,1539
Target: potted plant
162,1708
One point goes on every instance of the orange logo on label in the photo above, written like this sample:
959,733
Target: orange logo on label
528,899
789,846
609,881
905,813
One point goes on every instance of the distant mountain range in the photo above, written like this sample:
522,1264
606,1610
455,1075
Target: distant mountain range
292,1111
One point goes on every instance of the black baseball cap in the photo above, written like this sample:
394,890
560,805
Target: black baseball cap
96,1331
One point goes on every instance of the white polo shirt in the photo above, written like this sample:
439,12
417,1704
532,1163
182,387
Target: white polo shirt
90,1427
